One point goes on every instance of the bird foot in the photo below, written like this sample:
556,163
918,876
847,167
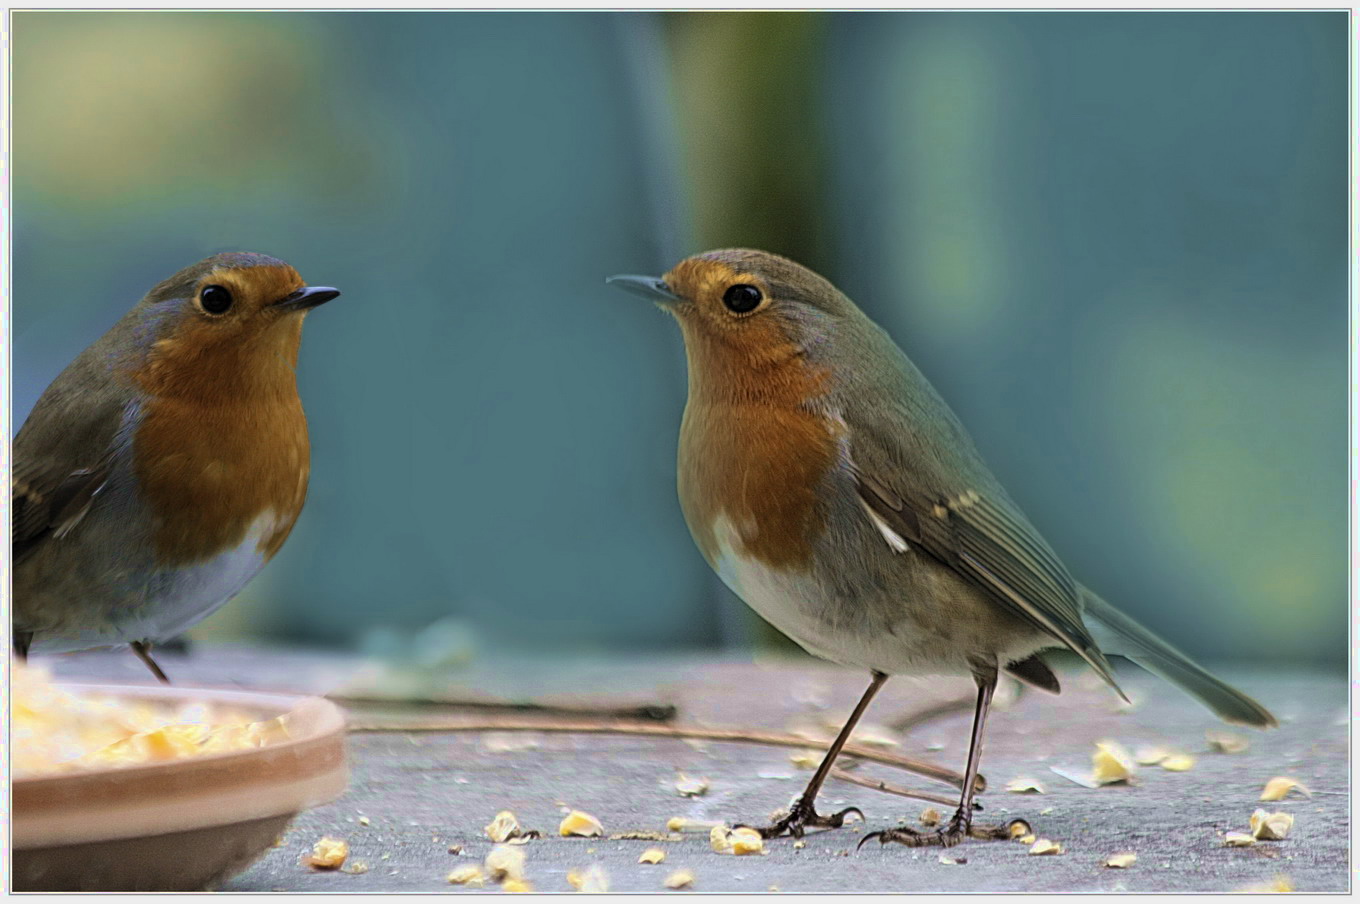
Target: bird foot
803,817
951,834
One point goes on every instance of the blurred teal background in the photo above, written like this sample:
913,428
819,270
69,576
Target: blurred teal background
1116,243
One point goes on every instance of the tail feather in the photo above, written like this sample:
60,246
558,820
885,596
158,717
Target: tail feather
1116,633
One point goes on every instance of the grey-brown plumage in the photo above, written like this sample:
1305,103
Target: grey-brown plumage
839,496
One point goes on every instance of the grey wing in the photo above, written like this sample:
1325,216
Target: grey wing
62,459
979,534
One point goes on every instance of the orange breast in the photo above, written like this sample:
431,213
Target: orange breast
214,455
755,452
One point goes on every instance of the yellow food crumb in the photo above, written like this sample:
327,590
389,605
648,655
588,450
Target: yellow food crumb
681,878
747,841
1270,826
503,827
328,853
652,855
930,817
578,823
720,839
1238,839
357,868
1179,762
1122,861
1044,846
1028,839
1278,788
517,886
470,876
805,759
1111,764
690,787
505,862
1150,756
1024,786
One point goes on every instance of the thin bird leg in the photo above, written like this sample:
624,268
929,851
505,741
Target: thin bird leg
961,826
803,815
143,651
22,641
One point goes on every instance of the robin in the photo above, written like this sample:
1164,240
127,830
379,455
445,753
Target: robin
166,464
835,492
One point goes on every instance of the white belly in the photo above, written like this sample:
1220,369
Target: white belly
174,600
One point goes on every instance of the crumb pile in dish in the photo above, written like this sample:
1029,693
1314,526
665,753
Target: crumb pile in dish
54,730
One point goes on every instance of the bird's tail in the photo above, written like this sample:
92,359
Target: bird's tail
1116,633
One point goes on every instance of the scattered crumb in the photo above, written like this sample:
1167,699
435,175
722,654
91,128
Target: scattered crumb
364,820
592,881
747,841
1045,811
579,823
681,824
1111,764
505,827
1043,846
1270,826
953,861
681,878
720,839
328,853
1238,839
645,836
805,759
470,876
773,888
1279,885
1121,861
799,844
1278,788
652,855
691,787
1225,741
505,862
1024,786
517,886
930,817
1027,839
357,868
1150,756
1178,762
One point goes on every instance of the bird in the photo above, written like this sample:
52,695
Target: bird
835,492
164,467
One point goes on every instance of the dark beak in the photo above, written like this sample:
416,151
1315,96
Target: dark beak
309,297
648,287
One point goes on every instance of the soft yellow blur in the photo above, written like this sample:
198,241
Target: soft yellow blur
54,730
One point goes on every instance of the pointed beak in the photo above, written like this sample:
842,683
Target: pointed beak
649,287
308,297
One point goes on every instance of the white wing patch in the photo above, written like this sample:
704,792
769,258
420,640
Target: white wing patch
895,541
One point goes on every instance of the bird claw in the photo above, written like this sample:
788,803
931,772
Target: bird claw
948,836
803,817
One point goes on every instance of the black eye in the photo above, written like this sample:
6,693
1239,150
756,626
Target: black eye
215,299
742,298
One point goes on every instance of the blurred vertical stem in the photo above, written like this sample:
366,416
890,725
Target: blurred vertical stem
748,97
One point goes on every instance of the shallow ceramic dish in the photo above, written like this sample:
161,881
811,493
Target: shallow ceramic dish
181,825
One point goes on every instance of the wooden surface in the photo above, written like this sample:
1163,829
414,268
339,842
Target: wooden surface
424,791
